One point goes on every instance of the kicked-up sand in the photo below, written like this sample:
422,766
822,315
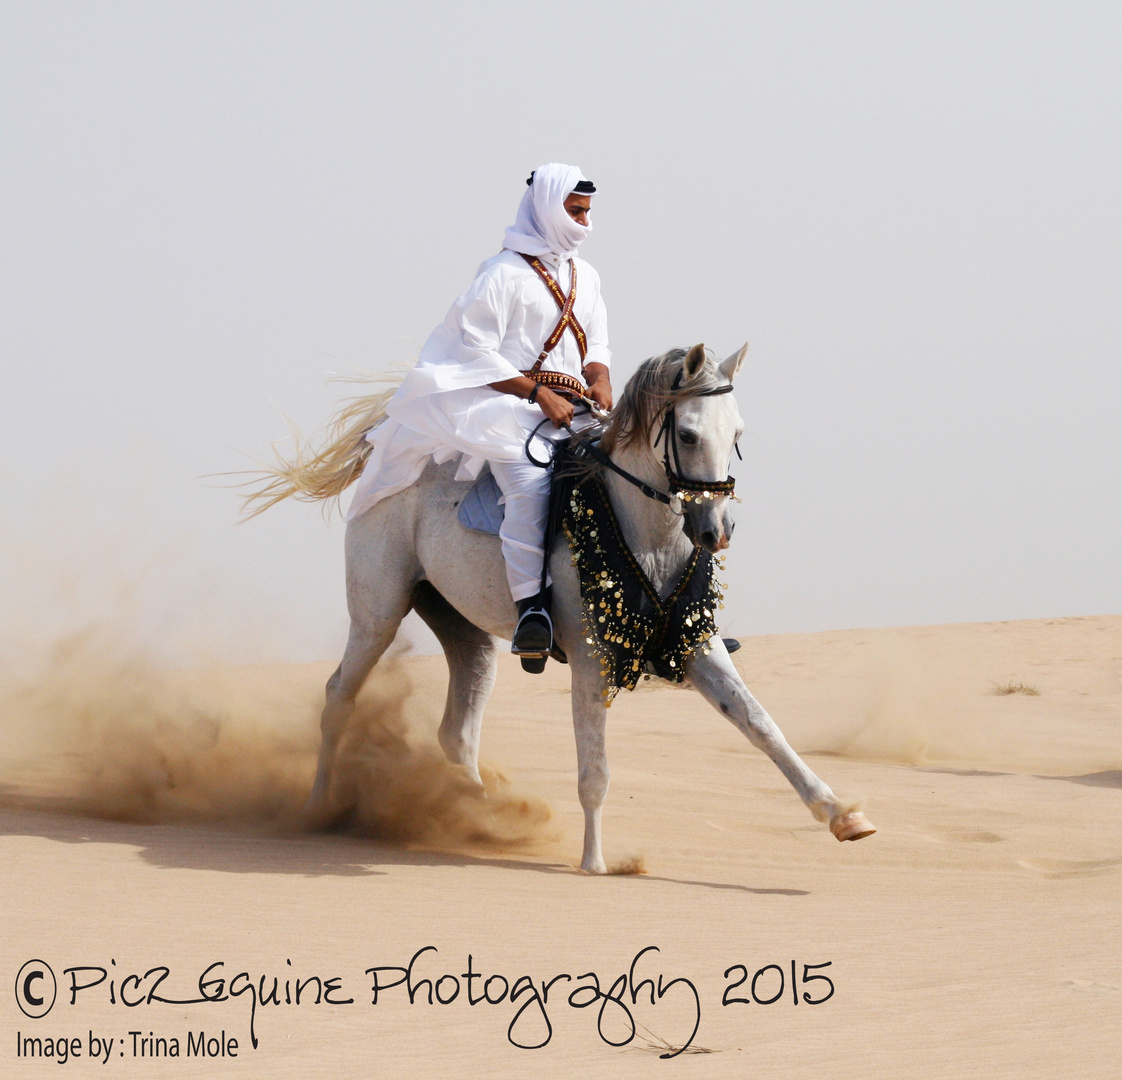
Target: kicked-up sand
159,880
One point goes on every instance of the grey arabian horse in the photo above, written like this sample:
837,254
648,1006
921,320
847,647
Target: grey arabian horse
410,551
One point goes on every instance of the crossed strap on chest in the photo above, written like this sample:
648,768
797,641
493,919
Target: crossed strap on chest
557,380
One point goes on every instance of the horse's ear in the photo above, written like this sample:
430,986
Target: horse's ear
731,366
694,362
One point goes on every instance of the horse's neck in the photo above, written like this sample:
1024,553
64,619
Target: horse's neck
652,530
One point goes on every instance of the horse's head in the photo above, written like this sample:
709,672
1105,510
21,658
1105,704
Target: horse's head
677,412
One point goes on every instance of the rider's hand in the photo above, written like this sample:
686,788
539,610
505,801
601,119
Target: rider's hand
599,385
555,407
601,392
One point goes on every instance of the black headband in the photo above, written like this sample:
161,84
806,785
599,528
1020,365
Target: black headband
585,187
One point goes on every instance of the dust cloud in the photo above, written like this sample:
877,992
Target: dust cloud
923,695
94,726
393,786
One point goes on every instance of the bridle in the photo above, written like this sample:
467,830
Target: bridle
682,488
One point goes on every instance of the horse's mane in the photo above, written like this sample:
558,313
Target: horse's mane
649,393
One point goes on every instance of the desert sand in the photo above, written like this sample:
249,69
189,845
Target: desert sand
151,820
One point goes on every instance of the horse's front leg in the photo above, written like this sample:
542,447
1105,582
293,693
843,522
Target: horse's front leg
590,717
718,681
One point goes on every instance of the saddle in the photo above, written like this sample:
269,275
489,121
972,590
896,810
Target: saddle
480,510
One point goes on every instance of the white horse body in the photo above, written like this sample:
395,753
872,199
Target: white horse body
410,551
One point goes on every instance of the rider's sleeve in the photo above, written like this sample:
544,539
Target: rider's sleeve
596,330
481,316
463,351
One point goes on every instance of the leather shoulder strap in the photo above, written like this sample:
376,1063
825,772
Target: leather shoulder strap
568,319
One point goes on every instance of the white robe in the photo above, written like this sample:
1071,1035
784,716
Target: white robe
445,407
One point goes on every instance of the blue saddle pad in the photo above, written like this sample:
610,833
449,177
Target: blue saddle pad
480,509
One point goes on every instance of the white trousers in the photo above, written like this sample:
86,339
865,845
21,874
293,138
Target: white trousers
525,490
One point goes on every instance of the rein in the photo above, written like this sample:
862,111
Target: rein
681,487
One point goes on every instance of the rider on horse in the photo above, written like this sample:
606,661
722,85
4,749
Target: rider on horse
525,342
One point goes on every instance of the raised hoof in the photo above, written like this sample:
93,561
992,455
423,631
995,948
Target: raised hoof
851,826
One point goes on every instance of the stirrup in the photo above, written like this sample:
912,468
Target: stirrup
533,636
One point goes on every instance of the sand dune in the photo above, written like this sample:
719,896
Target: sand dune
152,819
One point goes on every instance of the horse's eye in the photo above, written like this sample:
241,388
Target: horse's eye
688,438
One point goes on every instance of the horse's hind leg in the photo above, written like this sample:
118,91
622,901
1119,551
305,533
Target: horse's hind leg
472,664
374,624
364,649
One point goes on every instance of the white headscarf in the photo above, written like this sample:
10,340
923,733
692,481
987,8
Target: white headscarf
543,225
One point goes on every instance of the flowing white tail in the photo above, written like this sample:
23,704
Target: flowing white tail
323,467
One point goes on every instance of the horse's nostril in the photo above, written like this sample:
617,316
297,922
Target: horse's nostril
709,539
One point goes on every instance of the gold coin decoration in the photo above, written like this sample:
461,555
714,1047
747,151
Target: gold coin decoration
632,629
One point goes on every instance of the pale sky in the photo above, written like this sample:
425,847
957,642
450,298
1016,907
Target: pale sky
911,211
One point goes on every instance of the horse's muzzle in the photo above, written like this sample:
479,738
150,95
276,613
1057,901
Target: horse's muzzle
709,524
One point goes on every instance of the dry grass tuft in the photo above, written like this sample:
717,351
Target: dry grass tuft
656,1044
1005,689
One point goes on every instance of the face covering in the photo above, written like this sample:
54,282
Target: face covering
543,225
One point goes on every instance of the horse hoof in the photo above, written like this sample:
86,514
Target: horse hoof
852,826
